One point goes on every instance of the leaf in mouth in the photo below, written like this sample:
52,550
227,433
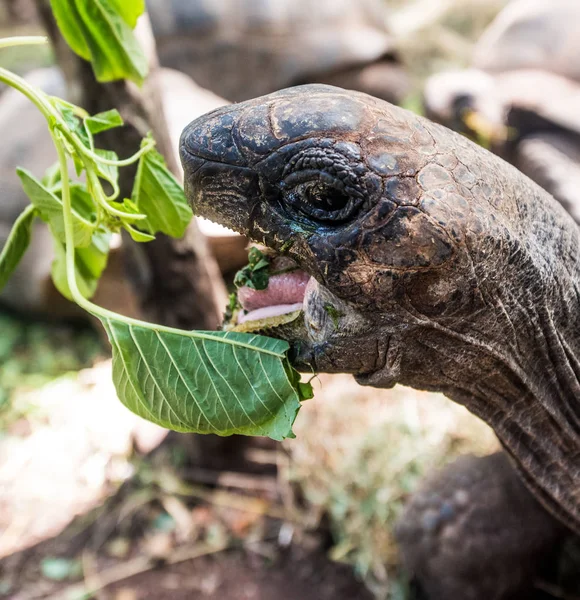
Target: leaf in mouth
255,274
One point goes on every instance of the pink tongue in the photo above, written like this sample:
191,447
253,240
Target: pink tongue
286,288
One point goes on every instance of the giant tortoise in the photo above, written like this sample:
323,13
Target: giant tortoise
240,49
523,93
448,270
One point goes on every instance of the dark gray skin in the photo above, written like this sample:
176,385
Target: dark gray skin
452,271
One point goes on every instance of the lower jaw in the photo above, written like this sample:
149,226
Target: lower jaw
268,312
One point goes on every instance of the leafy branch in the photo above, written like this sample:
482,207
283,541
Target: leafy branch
199,381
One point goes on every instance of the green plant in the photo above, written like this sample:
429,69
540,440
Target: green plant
199,381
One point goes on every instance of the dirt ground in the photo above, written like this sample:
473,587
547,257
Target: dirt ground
292,574
245,576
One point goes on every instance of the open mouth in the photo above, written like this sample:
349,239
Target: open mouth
284,294
280,297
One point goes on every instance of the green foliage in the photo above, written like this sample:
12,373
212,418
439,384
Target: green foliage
49,208
206,382
16,245
256,273
158,194
90,262
101,31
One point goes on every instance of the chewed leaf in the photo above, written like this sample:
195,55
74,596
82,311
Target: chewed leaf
16,244
159,195
205,381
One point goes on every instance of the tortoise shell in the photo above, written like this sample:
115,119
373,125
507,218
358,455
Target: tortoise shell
533,34
246,48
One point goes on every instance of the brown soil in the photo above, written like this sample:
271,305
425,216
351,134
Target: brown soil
236,575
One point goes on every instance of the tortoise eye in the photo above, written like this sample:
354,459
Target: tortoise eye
322,202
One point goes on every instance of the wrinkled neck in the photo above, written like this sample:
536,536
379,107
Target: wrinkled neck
523,378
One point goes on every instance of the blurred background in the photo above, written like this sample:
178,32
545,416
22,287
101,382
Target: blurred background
96,503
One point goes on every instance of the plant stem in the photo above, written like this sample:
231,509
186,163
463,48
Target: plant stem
39,98
116,163
23,40
98,194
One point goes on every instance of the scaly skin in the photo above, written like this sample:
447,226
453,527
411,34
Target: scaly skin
451,270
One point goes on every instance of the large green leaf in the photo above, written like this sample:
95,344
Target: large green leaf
16,244
159,195
101,31
49,207
206,382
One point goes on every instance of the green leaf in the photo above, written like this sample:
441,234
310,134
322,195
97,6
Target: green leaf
138,236
68,20
50,208
130,10
108,172
158,194
16,244
103,121
115,52
205,382
51,178
256,273
100,31
90,263
75,124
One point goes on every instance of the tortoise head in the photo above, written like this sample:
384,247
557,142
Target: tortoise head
433,263
371,201
323,176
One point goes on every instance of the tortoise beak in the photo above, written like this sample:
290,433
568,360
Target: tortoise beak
218,182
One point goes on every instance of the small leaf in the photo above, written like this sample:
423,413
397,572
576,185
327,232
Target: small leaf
103,121
109,173
76,125
255,274
205,381
51,179
158,194
90,263
16,244
138,236
50,209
